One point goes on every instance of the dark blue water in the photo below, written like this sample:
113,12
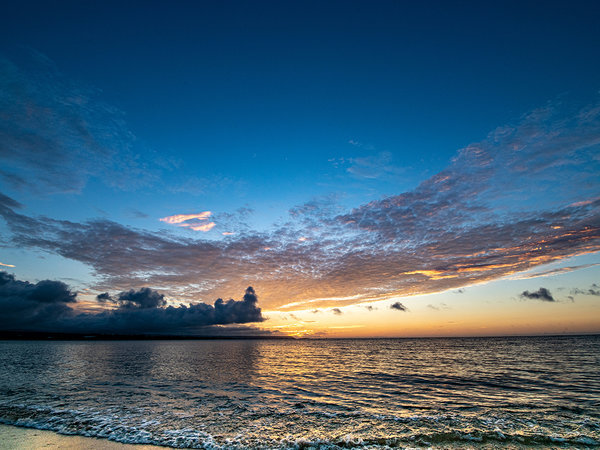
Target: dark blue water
381,393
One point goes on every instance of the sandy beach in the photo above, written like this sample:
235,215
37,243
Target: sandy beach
12,437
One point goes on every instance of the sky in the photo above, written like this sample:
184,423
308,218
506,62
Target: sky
369,169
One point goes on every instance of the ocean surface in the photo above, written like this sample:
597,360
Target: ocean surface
380,393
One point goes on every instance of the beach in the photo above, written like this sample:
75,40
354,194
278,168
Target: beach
13,438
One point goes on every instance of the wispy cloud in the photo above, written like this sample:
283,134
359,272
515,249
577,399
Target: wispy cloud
557,271
373,166
517,200
6,265
370,166
56,134
593,290
359,144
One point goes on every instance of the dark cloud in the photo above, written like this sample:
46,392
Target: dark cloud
104,297
398,306
142,311
24,304
51,306
370,308
541,294
337,311
144,298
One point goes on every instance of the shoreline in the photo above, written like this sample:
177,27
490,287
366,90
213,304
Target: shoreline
15,437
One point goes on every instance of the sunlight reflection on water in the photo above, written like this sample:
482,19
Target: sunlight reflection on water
333,393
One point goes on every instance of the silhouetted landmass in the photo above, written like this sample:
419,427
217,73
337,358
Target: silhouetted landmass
37,335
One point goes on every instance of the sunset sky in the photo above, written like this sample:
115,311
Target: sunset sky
369,168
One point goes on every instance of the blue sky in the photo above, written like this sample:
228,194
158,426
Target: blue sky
307,129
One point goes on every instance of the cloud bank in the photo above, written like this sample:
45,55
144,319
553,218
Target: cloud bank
50,306
525,196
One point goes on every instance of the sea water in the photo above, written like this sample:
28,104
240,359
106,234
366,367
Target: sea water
347,393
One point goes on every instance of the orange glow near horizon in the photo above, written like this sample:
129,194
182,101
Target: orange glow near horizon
486,309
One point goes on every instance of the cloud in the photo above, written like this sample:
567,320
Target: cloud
136,214
551,272
195,222
6,265
144,298
8,203
56,134
337,311
104,297
24,304
521,198
541,294
202,227
179,218
593,290
359,144
50,306
439,307
398,306
373,166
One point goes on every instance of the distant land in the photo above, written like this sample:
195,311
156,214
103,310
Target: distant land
37,335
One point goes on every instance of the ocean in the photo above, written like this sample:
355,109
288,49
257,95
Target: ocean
345,393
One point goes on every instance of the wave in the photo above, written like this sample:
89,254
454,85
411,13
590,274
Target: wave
422,432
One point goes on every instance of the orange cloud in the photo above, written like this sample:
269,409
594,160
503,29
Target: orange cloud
584,202
192,221
202,227
179,218
431,274
6,265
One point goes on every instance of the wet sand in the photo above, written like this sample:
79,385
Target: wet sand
29,438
